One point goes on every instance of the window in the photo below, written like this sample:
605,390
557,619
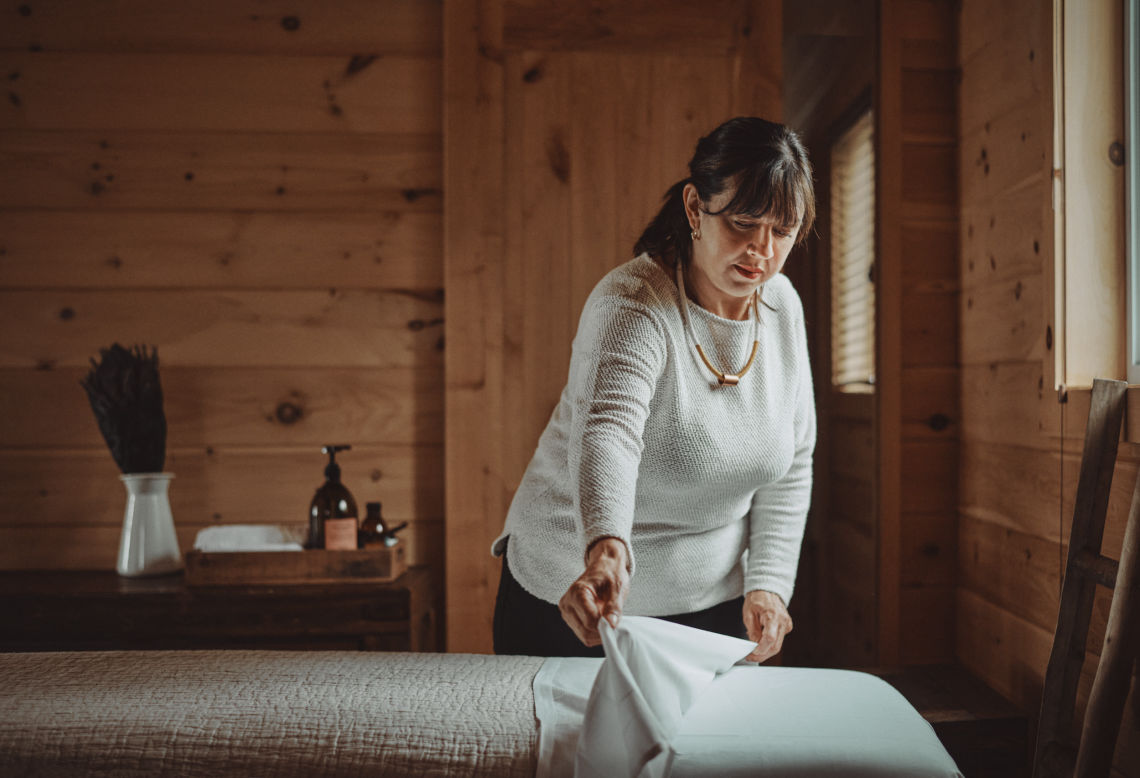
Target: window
853,256
1132,186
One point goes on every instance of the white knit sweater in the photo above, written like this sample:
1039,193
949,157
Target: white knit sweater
708,486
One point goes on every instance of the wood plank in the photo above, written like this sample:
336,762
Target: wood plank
238,407
929,476
95,548
852,559
1013,487
852,405
597,141
1014,570
852,502
930,407
929,551
538,323
989,415
1002,322
219,171
891,192
930,256
224,485
212,249
624,25
1007,60
473,258
928,617
930,326
852,449
929,102
224,92
758,65
849,636
1007,652
931,173
346,27
1009,153
830,74
1007,238
1003,24
927,20
259,568
265,328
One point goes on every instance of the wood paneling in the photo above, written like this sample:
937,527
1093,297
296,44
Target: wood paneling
623,25
238,407
582,118
407,479
95,548
473,276
1021,448
189,171
917,328
266,93
226,27
220,249
263,328
256,189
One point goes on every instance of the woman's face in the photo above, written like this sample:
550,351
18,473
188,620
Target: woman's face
736,253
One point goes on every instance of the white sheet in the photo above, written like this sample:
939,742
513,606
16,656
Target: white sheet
743,720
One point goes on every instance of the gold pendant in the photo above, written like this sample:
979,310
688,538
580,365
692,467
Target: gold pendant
728,380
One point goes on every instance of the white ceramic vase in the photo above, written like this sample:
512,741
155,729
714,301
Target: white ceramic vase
148,545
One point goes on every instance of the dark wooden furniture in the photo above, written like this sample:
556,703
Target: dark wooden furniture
986,734
98,610
1058,752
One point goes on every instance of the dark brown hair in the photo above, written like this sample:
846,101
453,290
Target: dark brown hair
766,164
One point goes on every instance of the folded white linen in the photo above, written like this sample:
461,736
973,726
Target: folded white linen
652,673
667,701
250,537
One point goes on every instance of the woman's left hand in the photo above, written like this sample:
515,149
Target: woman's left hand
767,621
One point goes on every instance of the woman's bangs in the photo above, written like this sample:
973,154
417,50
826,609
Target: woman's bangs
768,193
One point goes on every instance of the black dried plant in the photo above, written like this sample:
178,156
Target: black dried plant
126,395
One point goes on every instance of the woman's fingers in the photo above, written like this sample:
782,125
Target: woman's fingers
767,622
599,592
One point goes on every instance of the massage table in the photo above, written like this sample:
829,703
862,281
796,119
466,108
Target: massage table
270,713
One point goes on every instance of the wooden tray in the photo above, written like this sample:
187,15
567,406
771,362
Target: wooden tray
237,568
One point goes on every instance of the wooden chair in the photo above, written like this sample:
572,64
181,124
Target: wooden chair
1055,753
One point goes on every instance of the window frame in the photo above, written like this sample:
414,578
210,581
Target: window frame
862,107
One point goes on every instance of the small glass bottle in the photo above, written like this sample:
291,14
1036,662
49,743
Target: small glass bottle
372,529
332,513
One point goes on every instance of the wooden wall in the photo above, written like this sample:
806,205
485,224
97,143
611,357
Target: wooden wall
917,407
884,525
564,125
1021,448
254,187
829,70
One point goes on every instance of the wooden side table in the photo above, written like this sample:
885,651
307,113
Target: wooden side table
987,735
98,610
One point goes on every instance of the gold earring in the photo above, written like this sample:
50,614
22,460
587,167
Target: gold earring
695,234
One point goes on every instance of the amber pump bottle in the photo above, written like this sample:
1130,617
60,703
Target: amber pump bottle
332,513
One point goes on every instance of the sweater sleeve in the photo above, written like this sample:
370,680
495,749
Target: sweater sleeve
618,356
779,509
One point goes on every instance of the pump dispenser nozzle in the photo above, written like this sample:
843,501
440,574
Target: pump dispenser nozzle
332,502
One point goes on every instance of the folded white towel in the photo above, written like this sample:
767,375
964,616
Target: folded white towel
250,537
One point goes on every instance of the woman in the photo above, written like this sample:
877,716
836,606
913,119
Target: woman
674,476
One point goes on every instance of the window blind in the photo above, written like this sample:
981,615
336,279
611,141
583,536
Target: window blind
853,255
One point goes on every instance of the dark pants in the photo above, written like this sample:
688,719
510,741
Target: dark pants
529,626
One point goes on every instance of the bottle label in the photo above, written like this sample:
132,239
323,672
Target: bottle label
340,534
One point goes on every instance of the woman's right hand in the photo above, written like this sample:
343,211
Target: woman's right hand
599,592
